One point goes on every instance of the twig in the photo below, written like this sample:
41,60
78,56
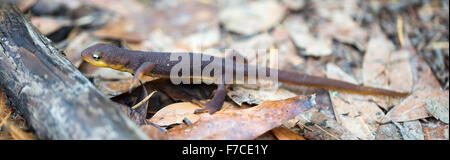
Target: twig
144,100
400,30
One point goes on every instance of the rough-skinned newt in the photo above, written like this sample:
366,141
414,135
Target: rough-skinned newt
159,64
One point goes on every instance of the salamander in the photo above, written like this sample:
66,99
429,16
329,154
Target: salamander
159,64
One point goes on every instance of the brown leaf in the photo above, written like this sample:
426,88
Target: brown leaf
285,134
426,87
266,136
388,132
117,6
304,38
2,103
175,113
78,43
241,95
354,112
438,110
5,112
252,17
413,107
153,132
317,126
435,130
244,123
411,130
23,5
17,133
47,25
185,20
343,28
385,68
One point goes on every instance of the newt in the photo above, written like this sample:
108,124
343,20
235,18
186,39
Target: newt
158,64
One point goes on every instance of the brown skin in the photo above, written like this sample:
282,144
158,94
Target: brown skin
158,64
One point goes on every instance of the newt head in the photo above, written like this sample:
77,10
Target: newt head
105,55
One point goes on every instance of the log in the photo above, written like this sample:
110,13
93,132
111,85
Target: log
57,101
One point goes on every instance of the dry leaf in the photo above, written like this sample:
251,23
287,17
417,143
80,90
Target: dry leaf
178,21
285,134
317,126
343,28
241,94
266,136
376,60
253,17
354,112
77,44
175,113
245,123
121,7
384,68
388,132
413,107
426,88
294,4
326,8
23,5
302,37
435,130
153,133
47,25
438,110
411,130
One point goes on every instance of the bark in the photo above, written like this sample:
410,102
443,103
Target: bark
57,101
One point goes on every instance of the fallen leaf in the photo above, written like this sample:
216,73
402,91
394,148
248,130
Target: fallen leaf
203,39
302,37
438,110
153,133
400,75
23,5
294,4
47,25
77,44
266,136
388,132
353,111
413,107
376,60
175,113
435,130
252,17
385,68
241,94
178,21
343,28
245,123
326,8
426,87
285,134
317,126
121,7
411,130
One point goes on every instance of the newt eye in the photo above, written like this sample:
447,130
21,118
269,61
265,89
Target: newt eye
96,56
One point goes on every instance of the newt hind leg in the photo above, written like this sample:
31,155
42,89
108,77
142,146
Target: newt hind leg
216,103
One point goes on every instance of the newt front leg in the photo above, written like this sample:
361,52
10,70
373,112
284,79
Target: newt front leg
145,68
